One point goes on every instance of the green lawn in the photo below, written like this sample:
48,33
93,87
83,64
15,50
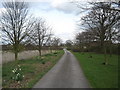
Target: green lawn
99,75
0,75
33,69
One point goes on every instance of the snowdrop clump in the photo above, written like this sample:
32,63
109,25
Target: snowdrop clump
17,74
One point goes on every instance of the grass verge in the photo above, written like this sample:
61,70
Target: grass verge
99,75
33,69
0,76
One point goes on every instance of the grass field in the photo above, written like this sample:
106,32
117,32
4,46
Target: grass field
0,76
32,69
99,75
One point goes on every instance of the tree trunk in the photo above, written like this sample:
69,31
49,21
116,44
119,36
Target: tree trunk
40,53
89,47
15,46
110,48
110,51
51,49
16,56
105,56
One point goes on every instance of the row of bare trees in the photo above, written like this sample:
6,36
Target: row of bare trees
20,29
101,24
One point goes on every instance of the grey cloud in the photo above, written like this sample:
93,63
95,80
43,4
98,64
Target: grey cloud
67,7
66,36
44,6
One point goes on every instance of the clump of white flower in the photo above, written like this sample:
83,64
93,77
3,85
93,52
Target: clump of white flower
17,74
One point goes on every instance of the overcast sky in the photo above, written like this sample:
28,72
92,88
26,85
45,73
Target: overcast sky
59,14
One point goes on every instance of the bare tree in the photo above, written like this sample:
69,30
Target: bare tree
40,34
14,24
102,21
115,4
49,42
56,42
84,39
69,43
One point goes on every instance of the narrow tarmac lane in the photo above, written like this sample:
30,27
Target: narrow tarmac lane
66,73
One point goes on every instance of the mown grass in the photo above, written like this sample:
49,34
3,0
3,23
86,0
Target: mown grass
0,76
33,69
98,74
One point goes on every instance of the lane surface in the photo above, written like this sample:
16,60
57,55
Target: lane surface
66,73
